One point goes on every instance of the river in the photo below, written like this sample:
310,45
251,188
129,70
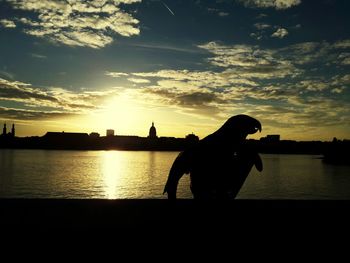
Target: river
142,174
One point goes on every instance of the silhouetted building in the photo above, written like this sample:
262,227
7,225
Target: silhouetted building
66,135
192,138
94,135
13,130
109,132
64,140
271,138
10,134
152,132
337,152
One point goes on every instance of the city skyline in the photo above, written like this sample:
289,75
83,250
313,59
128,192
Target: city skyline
188,66
152,133
108,132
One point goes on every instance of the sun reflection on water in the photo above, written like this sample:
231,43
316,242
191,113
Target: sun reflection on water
113,169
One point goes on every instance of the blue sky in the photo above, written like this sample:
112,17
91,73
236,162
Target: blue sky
186,65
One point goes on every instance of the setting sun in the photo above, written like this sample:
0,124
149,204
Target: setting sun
121,113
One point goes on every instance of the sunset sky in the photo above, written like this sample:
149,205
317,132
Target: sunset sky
187,65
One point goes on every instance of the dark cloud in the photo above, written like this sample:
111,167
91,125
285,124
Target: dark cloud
200,103
52,98
198,98
21,114
14,92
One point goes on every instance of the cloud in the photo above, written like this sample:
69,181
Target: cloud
346,61
261,26
218,12
34,55
199,98
7,23
344,58
260,16
163,47
116,74
55,99
280,33
77,23
340,83
6,74
19,91
306,52
257,35
277,4
297,26
254,71
23,114
261,30
138,81
193,103
250,61
342,44
84,38
222,14
338,90
315,52
313,85
314,116
341,80
273,84
196,80
264,30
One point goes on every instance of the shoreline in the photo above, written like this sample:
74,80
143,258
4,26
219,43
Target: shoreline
148,150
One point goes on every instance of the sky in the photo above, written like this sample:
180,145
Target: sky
187,65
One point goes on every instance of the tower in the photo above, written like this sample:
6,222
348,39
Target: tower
152,132
13,130
110,133
4,130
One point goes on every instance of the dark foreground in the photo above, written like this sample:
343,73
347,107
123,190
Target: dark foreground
150,215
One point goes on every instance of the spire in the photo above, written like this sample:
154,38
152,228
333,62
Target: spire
13,130
4,130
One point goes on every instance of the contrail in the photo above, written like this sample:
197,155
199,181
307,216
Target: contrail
167,7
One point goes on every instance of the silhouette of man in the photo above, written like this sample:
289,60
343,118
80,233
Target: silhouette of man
218,164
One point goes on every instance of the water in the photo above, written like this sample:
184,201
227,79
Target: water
142,174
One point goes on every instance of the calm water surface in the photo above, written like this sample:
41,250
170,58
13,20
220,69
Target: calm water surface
142,174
